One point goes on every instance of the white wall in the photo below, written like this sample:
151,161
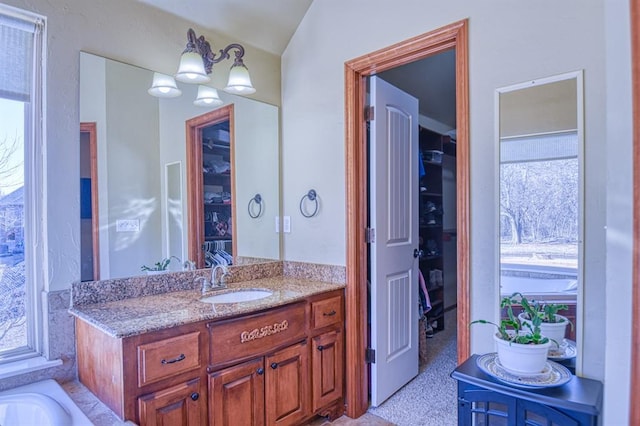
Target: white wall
619,149
123,30
509,42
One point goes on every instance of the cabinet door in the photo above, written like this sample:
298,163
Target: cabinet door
287,385
326,368
175,406
236,395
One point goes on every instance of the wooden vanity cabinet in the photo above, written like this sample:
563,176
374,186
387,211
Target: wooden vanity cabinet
178,405
153,379
327,353
281,366
271,390
294,365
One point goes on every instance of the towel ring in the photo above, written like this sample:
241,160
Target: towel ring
257,199
312,195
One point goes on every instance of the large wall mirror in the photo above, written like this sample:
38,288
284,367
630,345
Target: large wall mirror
140,157
540,132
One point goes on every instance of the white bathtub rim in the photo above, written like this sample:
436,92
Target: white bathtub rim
53,390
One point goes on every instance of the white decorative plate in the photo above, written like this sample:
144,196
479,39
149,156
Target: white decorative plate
567,350
552,375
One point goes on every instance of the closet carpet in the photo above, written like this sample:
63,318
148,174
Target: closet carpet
431,398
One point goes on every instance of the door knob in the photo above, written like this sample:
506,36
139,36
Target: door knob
418,253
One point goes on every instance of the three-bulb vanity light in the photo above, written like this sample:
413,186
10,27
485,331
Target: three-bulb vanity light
196,63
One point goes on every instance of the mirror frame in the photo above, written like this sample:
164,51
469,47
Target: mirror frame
579,78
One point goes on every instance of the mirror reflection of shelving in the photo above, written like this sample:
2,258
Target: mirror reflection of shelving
217,190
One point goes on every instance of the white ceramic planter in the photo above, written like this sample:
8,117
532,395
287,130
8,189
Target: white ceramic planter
156,272
522,359
553,331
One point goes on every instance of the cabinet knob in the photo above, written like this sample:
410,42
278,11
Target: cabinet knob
321,348
195,396
274,365
260,371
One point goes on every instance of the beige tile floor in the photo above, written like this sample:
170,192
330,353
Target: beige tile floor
101,415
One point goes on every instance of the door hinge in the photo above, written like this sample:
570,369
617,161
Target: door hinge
370,356
369,113
370,235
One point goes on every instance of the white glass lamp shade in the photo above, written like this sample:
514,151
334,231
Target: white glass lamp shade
239,81
191,69
207,97
164,86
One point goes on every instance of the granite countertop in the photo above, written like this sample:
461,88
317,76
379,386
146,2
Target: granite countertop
144,314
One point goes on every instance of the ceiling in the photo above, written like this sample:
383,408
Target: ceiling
267,25
432,81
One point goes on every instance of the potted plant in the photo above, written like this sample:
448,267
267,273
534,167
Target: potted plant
157,268
553,325
521,347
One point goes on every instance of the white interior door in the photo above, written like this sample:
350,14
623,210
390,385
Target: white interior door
393,209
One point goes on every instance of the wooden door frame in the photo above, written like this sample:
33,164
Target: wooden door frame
91,129
195,182
634,416
453,36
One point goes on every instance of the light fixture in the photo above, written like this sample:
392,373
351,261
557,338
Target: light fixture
164,86
207,97
197,60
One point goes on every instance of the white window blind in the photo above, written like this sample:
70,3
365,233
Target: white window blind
17,38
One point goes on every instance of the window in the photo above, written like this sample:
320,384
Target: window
21,131
539,208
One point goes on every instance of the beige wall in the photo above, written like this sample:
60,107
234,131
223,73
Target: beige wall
509,42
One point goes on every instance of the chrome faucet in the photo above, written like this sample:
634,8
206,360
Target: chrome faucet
219,282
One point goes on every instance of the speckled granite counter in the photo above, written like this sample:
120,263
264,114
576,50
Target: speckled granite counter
137,315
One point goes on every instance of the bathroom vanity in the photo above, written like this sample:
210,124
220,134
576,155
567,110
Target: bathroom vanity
172,359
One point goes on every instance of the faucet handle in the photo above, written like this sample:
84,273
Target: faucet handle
225,273
206,284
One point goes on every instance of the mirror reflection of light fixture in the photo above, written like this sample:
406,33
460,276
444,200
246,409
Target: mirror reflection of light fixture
207,97
197,61
164,86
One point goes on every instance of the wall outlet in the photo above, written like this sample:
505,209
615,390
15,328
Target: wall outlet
286,224
127,225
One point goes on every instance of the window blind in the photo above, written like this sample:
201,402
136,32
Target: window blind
17,38
545,147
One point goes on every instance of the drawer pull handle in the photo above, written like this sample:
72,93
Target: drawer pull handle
320,348
260,371
329,314
274,365
171,361
195,396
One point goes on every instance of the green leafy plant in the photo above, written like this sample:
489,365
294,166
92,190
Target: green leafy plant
548,312
158,266
512,329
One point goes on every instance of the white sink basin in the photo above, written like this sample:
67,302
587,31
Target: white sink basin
236,296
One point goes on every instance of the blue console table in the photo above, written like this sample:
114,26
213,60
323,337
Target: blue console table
484,400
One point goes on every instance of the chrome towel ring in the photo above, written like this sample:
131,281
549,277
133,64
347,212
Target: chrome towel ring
312,195
257,200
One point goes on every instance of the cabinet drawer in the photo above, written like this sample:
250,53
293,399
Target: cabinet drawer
245,337
326,312
165,358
